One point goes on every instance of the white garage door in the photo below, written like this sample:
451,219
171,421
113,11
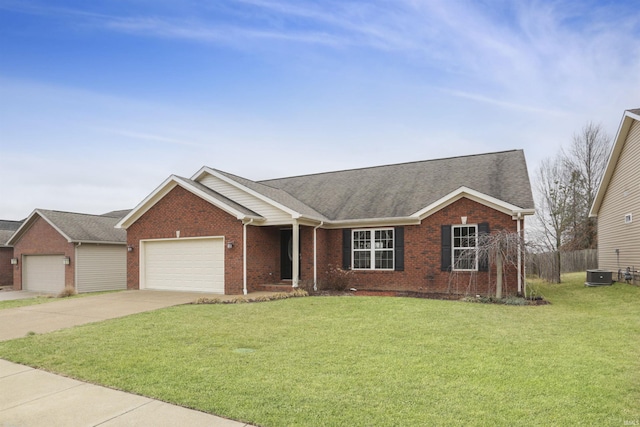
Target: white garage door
43,273
183,265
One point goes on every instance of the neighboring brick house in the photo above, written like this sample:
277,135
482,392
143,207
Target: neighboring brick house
617,202
407,227
54,250
7,228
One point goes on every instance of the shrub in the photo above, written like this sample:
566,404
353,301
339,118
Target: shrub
515,301
336,279
67,292
259,298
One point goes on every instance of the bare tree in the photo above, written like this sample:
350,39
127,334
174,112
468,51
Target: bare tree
555,199
566,187
585,160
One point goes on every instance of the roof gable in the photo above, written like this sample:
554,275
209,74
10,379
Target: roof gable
75,227
628,118
272,203
196,188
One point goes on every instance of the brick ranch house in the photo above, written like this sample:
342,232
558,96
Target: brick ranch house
402,227
53,250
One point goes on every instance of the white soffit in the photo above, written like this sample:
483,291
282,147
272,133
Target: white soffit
206,170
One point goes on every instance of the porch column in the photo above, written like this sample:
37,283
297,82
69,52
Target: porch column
295,254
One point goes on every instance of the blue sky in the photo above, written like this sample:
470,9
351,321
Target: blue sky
101,101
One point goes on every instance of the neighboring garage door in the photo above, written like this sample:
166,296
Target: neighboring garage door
184,265
43,273
101,267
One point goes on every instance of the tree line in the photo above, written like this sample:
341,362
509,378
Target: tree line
565,188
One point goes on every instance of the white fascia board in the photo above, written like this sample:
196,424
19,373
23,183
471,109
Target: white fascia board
205,169
29,222
621,138
476,196
164,188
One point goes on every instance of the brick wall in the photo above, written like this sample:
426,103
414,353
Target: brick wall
263,256
6,269
422,243
42,239
193,217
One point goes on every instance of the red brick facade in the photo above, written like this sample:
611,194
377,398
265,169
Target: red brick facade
192,216
195,217
6,269
42,239
422,263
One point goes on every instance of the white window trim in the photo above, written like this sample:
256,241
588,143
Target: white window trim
628,218
453,247
372,250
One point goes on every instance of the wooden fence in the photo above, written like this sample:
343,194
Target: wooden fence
545,265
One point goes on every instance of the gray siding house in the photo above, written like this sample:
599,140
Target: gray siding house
617,203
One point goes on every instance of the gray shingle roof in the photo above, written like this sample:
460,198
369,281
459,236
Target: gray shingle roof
10,225
78,227
401,190
4,237
635,111
117,214
7,228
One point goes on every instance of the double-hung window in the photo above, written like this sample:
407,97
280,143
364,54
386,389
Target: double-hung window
465,247
373,249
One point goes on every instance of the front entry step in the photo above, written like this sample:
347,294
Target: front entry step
276,287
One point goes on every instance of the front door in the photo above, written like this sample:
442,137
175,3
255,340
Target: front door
286,254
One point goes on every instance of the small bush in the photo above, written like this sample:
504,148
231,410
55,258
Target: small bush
68,291
260,298
515,301
336,279
510,300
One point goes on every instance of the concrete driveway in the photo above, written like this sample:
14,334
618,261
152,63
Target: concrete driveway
12,295
65,313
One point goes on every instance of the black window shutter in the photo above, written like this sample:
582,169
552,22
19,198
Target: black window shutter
398,236
346,249
445,247
483,262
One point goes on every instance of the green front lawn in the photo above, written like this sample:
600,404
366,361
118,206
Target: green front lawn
372,361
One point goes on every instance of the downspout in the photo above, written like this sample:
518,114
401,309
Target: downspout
75,269
244,255
519,253
315,257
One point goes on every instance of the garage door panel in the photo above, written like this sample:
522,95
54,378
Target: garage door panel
184,264
43,273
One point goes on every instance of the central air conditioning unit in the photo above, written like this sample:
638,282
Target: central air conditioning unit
598,278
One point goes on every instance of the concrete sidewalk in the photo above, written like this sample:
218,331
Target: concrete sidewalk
33,398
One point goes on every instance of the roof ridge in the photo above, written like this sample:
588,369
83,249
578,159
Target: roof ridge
263,182
72,213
